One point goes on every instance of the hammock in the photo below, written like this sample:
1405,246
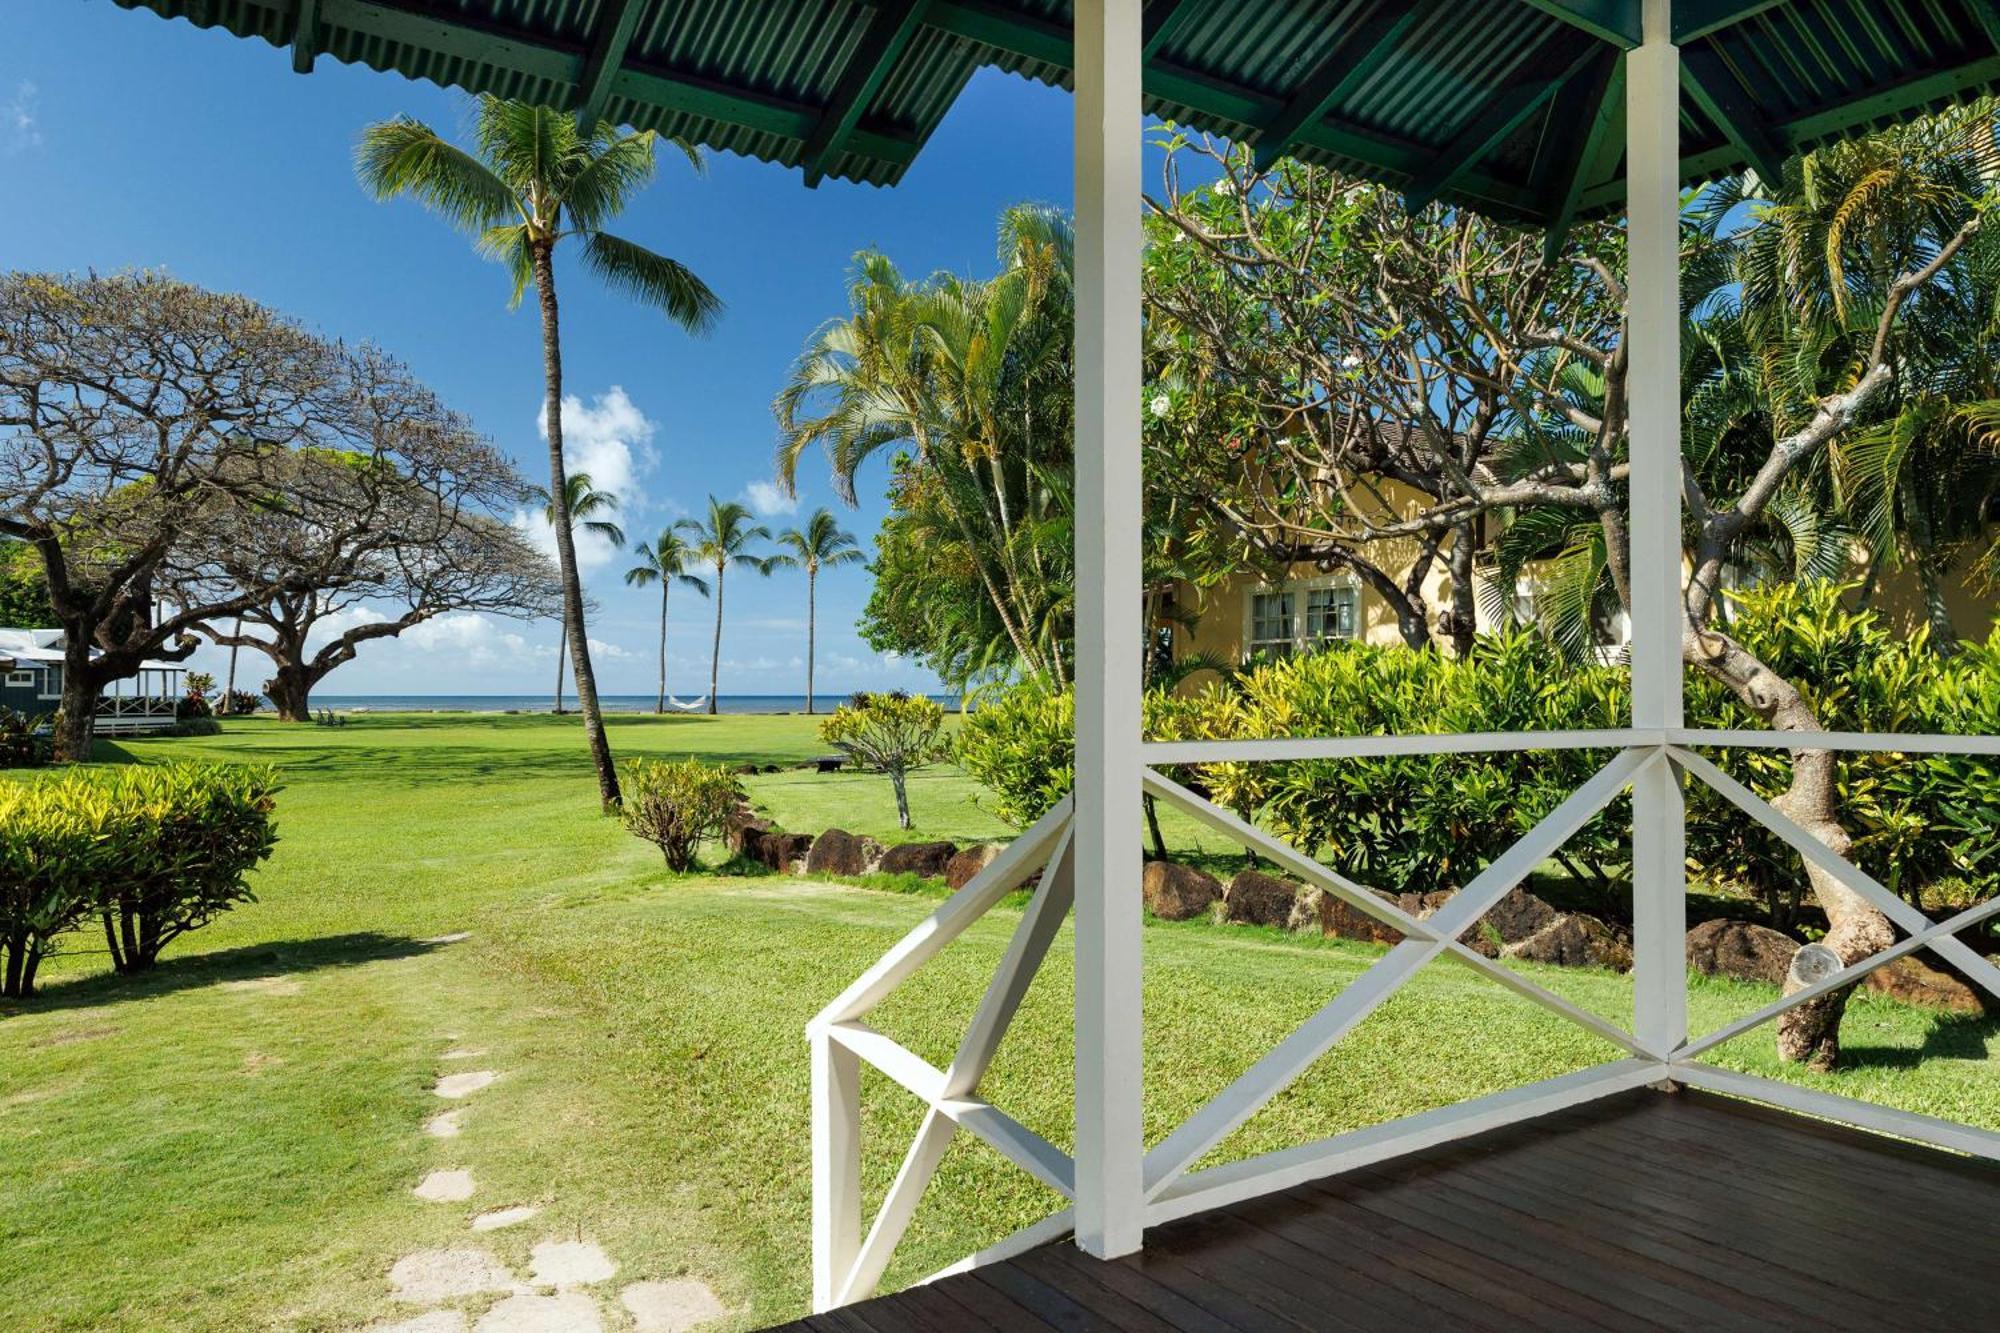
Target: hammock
687,707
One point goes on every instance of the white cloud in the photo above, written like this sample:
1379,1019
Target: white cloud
21,118
769,499
610,439
472,640
599,648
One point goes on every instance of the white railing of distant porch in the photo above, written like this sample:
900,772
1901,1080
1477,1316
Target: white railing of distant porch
1087,847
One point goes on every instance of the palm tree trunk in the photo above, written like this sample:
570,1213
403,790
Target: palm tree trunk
715,651
666,583
812,577
229,688
579,641
562,647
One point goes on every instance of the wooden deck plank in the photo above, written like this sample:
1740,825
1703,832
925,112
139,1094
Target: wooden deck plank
1641,1210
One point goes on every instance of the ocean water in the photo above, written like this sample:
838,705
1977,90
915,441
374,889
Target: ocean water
541,703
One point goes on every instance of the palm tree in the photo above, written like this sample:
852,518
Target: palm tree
666,561
725,541
539,178
820,544
581,500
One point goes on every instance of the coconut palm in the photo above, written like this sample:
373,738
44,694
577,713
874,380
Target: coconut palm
820,544
538,178
665,561
581,501
725,540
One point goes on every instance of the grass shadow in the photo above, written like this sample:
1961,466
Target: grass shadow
1951,1037
250,962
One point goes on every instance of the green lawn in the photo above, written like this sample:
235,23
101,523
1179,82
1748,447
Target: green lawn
230,1143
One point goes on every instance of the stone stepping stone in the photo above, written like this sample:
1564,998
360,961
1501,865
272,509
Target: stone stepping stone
431,1321
453,1086
444,1125
671,1307
464,1053
504,1217
569,1263
445,1187
565,1312
456,937
430,1276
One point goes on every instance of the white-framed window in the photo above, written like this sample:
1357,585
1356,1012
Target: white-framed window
1300,615
20,678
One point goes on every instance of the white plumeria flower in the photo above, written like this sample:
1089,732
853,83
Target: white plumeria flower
1350,361
1162,404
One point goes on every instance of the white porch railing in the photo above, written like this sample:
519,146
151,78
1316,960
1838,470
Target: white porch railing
131,713
847,1265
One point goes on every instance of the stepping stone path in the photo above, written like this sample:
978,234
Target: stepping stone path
570,1263
454,1086
670,1307
432,1277
464,1053
434,1321
504,1217
456,937
566,1312
445,1187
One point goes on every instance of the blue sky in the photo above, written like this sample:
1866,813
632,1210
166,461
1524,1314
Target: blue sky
127,141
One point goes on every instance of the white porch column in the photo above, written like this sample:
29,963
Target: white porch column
1659,841
1109,1146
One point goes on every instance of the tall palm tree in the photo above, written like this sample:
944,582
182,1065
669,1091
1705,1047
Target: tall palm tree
725,541
538,178
665,561
820,544
581,501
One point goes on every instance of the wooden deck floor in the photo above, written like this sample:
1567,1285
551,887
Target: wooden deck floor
1648,1210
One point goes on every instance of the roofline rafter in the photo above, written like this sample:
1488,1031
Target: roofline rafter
1614,21
305,36
1708,80
889,32
1499,118
1338,75
607,54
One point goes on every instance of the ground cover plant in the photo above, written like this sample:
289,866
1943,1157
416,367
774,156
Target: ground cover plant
253,1106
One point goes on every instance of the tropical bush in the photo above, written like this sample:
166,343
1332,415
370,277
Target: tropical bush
1432,821
195,700
21,746
155,851
242,701
184,838
676,804
893,734
52,852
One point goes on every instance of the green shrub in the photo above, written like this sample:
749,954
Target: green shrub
1022,748
53,853
242,701
155,851
892,734
674,805
1433,821
185,836
20,744
196,726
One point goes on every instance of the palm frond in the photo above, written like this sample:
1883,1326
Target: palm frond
665,284
404,156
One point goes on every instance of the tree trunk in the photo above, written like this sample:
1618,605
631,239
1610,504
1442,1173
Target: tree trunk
660,704
1153,826
562,653
897,780
812,577
1464,606
229,687
76,713
579,640
17,962
1856,930
291,692
715,649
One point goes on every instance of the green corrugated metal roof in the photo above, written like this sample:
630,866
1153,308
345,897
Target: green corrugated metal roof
1510,105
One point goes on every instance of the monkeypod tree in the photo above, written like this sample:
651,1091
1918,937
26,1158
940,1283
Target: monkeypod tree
137,414
360,542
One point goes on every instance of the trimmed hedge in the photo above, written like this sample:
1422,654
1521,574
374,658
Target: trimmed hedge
1429,822
154,851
